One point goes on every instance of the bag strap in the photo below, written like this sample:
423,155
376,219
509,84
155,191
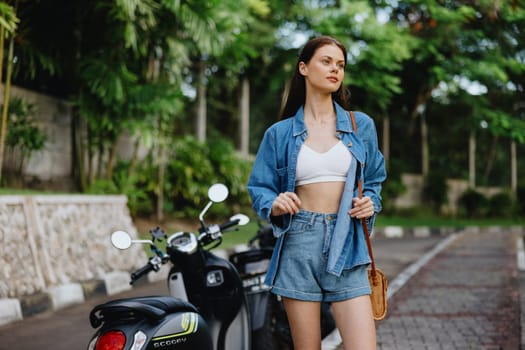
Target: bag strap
363,221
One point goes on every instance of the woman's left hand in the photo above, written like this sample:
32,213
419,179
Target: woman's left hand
363,208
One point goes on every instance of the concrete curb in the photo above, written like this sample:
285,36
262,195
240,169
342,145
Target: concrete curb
61,296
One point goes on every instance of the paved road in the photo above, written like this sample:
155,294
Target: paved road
466,298
69,328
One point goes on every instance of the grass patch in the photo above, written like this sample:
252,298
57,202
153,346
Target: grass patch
16,192
433,221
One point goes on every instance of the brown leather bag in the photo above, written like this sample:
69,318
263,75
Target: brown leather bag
378,283
376,277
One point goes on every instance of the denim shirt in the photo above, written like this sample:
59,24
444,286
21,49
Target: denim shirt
274,172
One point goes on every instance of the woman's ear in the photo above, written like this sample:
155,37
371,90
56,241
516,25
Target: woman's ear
302,68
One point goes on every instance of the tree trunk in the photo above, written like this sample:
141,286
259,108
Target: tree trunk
160,189
424,146
2,42
472,159
78,165
3,125
490,158
244,128
201,97
90,159
386,140
134,158
111,161
5,109
513,169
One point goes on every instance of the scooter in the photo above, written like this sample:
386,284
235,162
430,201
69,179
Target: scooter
208,306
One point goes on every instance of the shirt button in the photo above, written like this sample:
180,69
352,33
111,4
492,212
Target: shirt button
350,144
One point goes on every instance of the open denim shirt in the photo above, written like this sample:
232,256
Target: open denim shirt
274,172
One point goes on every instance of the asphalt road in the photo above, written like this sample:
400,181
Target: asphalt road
69,328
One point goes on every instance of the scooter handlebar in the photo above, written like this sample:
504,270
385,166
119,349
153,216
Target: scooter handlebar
141,272
229,224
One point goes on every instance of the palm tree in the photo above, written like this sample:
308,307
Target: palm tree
8,25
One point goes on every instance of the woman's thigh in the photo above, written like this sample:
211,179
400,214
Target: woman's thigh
304,318
355,322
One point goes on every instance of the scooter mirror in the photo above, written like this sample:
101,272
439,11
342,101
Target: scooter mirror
218,193
121,240
243,219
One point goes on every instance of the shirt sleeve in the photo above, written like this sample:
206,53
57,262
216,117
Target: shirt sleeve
374,168
263,184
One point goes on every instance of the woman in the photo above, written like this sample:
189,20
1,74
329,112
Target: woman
304,181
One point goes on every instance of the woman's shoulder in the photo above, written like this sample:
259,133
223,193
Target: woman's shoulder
280,126
362,117
363,120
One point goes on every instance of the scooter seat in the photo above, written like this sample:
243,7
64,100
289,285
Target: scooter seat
152,307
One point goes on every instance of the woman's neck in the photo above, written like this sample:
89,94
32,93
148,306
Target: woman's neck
319,108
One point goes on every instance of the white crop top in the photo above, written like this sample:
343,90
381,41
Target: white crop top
330,166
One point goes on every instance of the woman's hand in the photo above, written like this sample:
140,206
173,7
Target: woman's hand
286,203
363,208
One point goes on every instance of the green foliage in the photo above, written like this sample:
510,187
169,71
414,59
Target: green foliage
393,187
8,19
472,204
123,64
196,166
234,171
138,187
501,205
23,137
520,201
435,190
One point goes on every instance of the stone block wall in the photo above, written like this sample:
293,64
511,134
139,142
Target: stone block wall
50,241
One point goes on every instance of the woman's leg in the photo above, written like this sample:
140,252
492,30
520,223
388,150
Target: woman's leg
304,320
355,322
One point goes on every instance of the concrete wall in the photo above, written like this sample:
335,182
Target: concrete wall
51,168
53,164
414,183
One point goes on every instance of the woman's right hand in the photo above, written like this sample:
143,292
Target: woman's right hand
286,203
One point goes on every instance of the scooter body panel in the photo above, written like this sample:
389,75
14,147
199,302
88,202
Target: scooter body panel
216,290
176,331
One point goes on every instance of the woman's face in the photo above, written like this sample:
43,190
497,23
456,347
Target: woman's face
324,72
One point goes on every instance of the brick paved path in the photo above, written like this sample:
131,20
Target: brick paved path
467,297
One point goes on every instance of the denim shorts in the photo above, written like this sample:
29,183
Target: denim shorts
302,265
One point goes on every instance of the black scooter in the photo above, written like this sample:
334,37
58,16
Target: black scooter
209,307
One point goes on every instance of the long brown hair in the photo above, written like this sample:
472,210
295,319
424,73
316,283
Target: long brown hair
295,93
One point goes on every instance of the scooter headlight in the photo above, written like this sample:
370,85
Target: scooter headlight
183,242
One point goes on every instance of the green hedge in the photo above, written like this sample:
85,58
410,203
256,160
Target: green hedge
192,168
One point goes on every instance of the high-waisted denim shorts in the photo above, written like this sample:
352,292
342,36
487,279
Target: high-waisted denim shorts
302,266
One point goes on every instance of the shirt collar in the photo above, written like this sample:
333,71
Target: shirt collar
342,124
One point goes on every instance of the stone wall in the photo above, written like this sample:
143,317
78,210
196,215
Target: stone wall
413,196
48,241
